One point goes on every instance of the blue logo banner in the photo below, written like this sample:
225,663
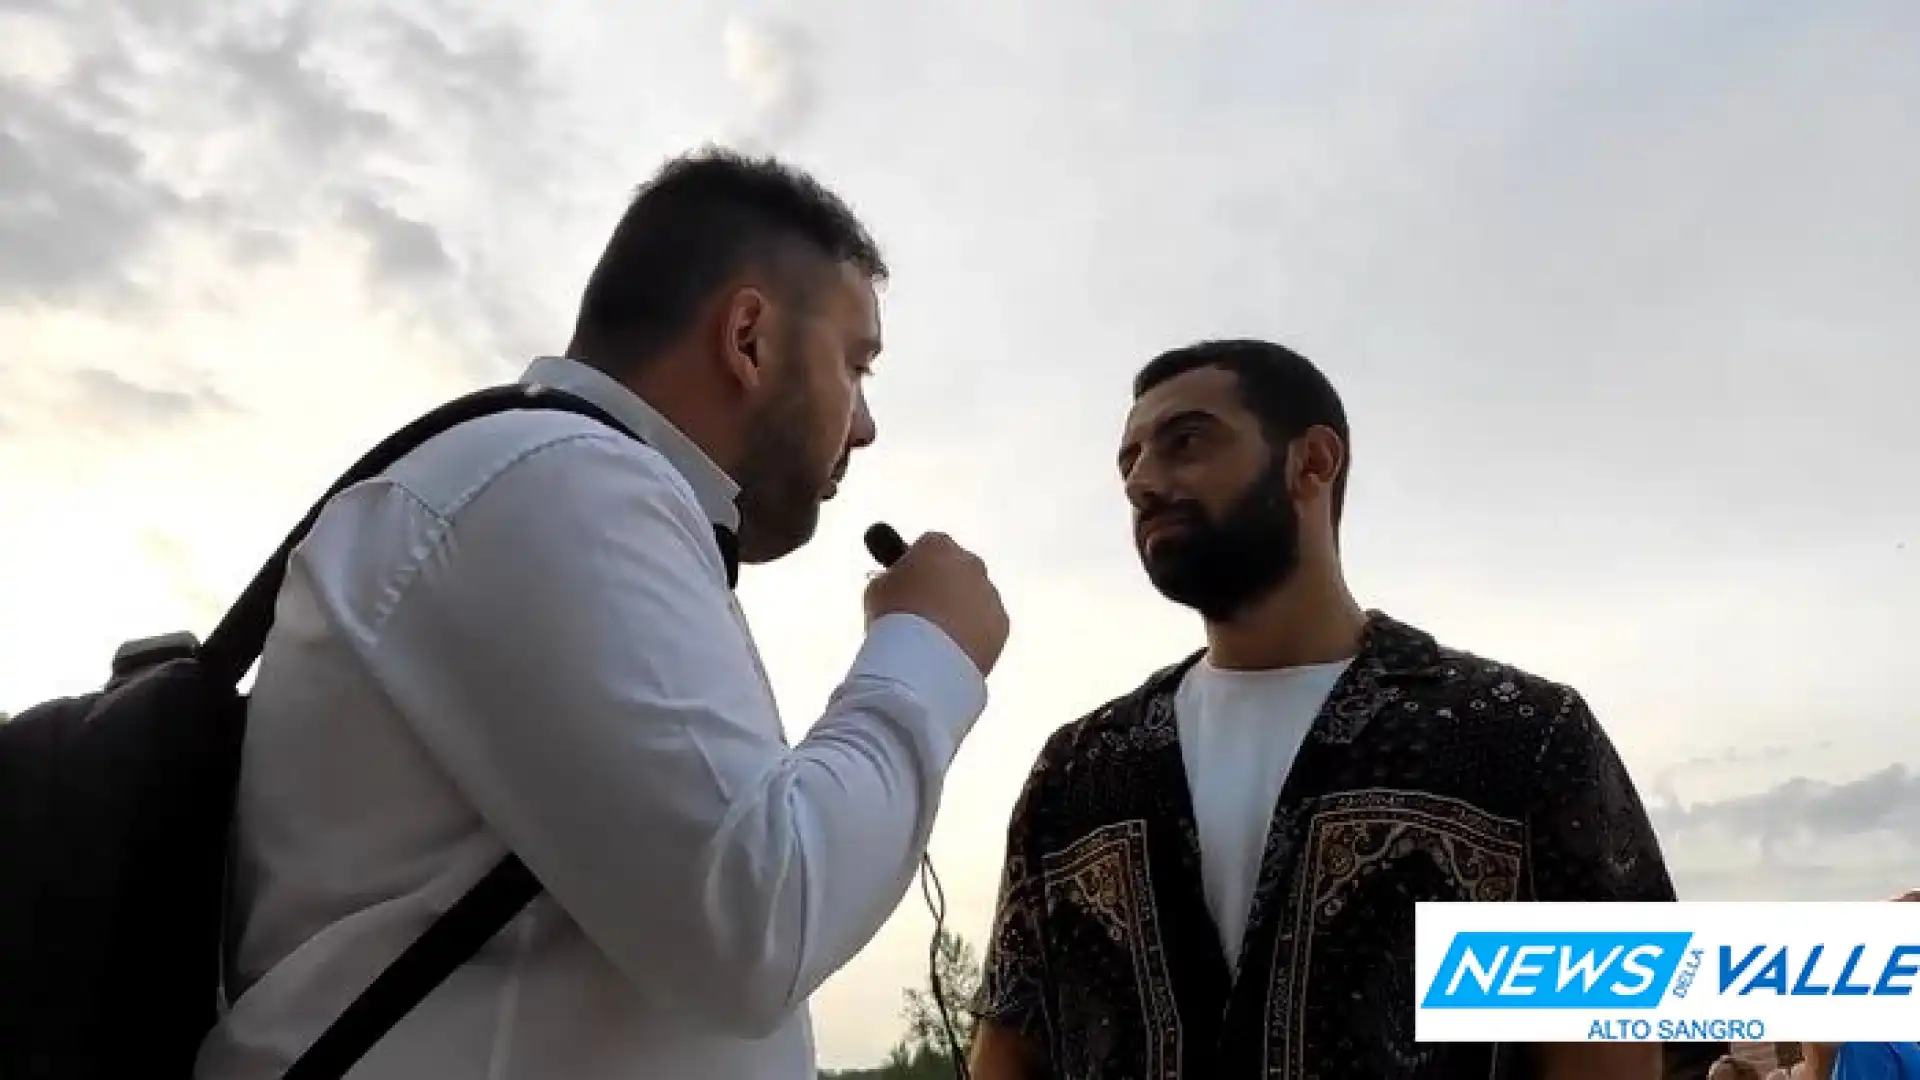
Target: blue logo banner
1556,970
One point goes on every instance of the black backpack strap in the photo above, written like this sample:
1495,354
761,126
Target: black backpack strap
450,942
489,906
234,645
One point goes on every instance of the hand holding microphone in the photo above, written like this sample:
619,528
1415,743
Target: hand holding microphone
943,583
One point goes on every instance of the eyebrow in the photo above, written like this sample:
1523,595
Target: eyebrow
1161,426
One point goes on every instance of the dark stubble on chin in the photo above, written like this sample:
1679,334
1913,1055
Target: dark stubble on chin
1220,568
779,492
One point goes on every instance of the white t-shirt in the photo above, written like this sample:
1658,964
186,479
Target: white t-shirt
1239,732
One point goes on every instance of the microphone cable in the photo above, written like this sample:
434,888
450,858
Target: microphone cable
936,898
885,545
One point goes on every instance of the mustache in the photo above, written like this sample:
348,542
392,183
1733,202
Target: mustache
1177,513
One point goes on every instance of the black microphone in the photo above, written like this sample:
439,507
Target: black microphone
884,543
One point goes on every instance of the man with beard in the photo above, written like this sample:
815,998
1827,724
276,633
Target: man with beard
523,638
1215,875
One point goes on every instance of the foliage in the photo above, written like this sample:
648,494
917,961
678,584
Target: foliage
958,968
920,1063
923,1053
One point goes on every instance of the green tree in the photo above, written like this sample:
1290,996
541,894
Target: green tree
924,1054
956,967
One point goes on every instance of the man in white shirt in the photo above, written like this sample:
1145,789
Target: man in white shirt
523,638
1215,875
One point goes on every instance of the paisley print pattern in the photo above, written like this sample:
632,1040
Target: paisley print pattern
1355,840
1429,774
1102,884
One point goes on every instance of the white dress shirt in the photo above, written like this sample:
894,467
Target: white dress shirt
522,636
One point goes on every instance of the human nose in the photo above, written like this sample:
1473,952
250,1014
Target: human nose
1143,484
864,431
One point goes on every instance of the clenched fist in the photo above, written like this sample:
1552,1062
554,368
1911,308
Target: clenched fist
948,586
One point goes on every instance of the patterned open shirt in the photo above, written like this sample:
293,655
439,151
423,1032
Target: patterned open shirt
1429,774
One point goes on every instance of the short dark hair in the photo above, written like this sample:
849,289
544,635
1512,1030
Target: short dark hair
1283,389
704,217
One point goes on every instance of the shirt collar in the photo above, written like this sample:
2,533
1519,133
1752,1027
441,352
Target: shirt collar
715,490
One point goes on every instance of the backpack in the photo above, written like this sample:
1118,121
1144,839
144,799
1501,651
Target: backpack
116,818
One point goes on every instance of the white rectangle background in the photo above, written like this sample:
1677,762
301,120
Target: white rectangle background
1811,1015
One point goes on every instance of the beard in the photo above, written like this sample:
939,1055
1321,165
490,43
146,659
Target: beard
781,475
1220,567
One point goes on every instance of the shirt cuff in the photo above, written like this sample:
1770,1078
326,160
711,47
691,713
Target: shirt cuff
914,653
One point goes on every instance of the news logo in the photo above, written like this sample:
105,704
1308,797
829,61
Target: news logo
1577,970
1666,972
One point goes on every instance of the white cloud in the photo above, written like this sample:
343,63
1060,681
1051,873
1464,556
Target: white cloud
772,63
33,51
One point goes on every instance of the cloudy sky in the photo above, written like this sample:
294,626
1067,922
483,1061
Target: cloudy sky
1624,298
